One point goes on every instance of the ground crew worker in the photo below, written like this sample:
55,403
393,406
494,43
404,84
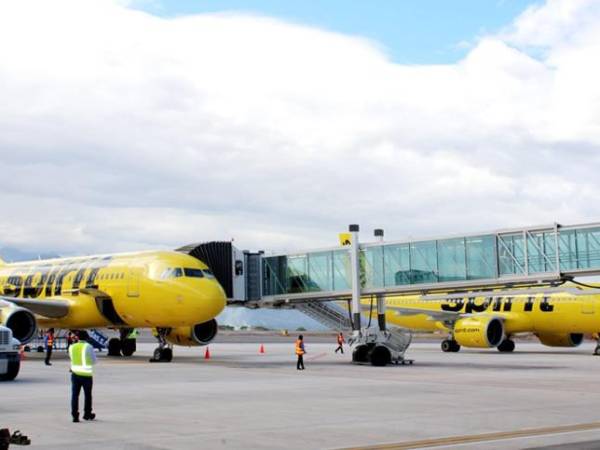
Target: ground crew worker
49,344
70,336
340,342
300,351
134,334
82,370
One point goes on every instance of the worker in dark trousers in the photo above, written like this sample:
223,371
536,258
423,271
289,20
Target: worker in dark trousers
49,344
340,342
70,337
82,370
300,351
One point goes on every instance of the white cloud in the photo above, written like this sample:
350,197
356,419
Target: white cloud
120,130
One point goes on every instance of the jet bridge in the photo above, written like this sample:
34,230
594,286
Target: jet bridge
504,259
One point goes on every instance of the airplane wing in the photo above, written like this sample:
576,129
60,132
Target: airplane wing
51,308
442,316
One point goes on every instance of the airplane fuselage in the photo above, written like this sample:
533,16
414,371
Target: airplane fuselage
134,290
551,313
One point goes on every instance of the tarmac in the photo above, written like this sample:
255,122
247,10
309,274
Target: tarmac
242,399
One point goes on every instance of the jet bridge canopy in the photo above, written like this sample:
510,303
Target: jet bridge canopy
542,254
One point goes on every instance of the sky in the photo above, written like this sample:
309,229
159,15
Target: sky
128,125
407,31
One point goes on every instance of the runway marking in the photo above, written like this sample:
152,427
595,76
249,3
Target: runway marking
470,438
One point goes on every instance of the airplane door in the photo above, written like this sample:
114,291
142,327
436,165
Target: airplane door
588,306
133,283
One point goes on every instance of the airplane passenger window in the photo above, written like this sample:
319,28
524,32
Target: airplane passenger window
193,273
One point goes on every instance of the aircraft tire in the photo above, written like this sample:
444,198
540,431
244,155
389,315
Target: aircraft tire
597,351
114,347
506,346
166,355
128,347
13,371
380,356
450,346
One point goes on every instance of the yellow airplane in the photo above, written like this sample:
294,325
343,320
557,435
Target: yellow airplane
171,292
558,316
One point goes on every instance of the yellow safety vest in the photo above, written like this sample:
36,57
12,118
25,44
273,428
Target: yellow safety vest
299,350
80,361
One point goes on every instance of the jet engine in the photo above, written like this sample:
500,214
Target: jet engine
561,340
200,334
20,320
482,332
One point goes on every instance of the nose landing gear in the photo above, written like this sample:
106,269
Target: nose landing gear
162,353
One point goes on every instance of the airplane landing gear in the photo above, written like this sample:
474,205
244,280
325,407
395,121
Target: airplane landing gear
122,346
450,345
506,346
162,353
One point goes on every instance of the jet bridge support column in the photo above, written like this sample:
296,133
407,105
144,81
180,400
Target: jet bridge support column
378,233
381,312
355,282
374,345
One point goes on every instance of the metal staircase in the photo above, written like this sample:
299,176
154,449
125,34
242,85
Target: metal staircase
328,314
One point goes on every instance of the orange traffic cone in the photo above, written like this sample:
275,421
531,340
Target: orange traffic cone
207,353
261,349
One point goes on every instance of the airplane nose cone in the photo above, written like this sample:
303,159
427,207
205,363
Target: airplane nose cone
215,298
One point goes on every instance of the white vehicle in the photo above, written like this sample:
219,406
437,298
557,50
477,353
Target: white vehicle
10,360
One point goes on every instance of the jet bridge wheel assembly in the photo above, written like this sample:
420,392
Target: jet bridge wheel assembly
377,355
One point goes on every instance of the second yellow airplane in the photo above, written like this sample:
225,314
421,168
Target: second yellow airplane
559,316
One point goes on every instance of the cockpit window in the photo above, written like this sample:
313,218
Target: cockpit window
193,273
171,272
208,273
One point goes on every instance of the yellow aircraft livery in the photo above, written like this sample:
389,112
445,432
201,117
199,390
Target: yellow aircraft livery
559,317
171,292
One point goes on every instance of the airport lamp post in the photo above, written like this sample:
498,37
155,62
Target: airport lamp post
355,282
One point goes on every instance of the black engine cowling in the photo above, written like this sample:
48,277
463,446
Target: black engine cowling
199,334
